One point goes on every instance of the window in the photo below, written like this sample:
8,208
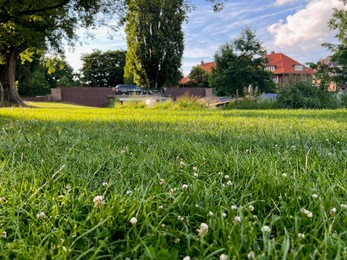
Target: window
298,67
270,68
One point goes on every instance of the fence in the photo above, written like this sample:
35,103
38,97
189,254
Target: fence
195,92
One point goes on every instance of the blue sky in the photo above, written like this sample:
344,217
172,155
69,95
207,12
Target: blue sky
294,27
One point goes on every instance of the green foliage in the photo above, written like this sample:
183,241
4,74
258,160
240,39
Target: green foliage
251,103
103,69
155,42
267,164
240,64
338,23
304,94
189,103
137,104
42,73
198,77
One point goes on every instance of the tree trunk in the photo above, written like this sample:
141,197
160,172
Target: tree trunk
8,92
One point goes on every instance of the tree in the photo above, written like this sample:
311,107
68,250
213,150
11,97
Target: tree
198,77
240,64
41,74
36,25
339,23
103,69
155,41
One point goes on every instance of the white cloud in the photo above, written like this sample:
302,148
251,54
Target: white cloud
307,27
282,2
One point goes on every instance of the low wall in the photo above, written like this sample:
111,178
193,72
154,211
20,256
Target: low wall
193,92
87,96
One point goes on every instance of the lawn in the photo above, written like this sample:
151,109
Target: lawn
82,183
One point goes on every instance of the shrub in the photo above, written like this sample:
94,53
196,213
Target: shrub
163,105
303,94
251,103
189,103
131,104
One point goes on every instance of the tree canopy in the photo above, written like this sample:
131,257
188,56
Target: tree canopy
240,64
198,77
155,41
339,23
103,69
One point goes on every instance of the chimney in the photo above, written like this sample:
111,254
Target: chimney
273,52
202,62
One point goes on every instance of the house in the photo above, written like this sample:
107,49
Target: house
285,68
205,66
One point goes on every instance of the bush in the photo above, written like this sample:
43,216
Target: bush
131,104
189,103
303,94
163,105
251,103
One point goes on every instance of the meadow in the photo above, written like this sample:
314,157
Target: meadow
84,183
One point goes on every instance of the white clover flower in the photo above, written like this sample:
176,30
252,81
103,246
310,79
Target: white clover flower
161,207
233,207
40,215
61,197
186,258
223,257
344,206
237,219
307,213
133,221
180,218
265,229
177,240
203,230
104,184
185,186
250,207
250,255
333,212
4,234
224,214
220,173
182,164
226,176
284,175
196,174
129,192
229,183
301,235
255,217
162,225
195,169
210,213
162,181
315,196
98,201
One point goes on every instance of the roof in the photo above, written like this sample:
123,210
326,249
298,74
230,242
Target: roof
285,65
206,66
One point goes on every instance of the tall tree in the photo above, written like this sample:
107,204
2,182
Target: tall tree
240,64
39,24
155,41
103,69
339,23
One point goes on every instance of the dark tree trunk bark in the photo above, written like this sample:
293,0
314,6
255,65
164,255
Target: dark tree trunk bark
8,92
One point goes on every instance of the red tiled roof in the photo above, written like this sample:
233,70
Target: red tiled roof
208,66
184,80
285,65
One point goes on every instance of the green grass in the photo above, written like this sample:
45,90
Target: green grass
56,159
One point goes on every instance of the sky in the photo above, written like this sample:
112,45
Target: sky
296,28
